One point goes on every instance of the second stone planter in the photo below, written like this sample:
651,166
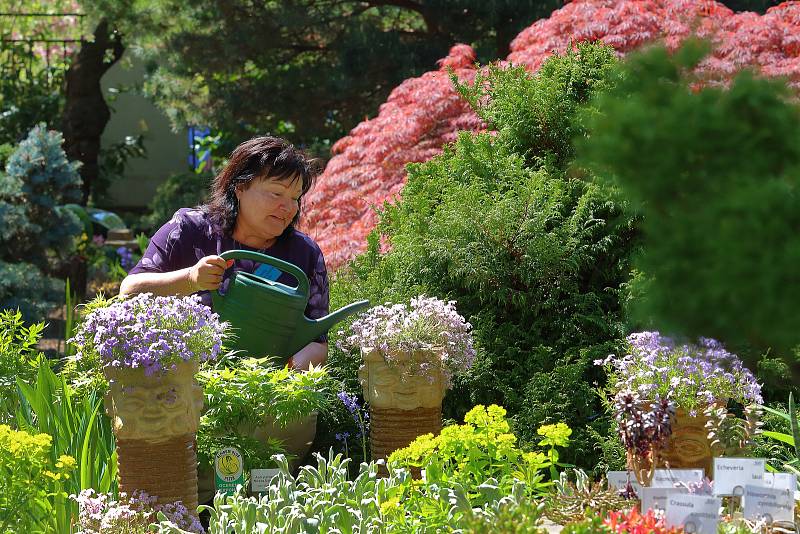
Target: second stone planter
401,407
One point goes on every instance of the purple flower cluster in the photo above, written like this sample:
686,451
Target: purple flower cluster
643,426
360,415
692,375
149,332
98,513
125,258
428,327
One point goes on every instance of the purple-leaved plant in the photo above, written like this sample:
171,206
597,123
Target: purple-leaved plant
693,376
150,332
429,329
644,427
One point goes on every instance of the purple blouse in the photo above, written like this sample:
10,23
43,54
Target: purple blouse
190,235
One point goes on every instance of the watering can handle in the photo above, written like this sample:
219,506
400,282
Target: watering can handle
285,266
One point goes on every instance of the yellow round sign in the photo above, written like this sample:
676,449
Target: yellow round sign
229,469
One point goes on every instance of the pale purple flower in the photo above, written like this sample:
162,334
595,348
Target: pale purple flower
429,330
100,514
150,332
691,375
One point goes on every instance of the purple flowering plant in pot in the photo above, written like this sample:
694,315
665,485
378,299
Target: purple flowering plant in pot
149,349
664,395
410,353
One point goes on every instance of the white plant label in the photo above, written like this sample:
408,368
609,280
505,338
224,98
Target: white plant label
260,479
695,513
669,478
786,481
772,504
656,498
731,475
620,479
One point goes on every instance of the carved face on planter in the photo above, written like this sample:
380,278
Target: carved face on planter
689,446
384,387
154,408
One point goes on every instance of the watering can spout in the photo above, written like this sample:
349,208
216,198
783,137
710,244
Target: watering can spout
320,326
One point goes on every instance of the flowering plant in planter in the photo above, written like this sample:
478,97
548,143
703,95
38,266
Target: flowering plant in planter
150,349
662,393
150,333
409,356
693,376
416,339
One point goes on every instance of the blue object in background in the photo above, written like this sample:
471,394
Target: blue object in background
199,160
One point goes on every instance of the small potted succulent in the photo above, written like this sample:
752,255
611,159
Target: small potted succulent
662,393
150,348
410,353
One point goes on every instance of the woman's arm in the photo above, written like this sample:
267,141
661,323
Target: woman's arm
206,274
315,352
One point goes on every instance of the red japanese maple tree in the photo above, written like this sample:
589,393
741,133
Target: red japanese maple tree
422,114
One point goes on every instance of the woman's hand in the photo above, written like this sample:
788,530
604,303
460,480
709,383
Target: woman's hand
314,353
206,274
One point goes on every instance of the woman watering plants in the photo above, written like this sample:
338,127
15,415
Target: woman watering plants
254,205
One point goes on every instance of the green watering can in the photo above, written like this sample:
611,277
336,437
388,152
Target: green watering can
267,317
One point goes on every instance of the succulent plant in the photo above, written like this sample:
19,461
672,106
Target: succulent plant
730,435
571,500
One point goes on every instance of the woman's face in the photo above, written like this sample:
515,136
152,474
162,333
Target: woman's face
267,206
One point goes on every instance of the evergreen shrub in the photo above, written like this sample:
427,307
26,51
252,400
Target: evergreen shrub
714,173
535,255
37,233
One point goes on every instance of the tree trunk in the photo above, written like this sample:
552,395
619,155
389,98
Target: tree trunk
85,111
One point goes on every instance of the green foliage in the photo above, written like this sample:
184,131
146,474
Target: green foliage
32,496
36,229
178,191
18,359
483,448
714,174
309,70
590,525
241,398
535,257
323,498
319,499
792,438
27,96
79,428
534,114
509,517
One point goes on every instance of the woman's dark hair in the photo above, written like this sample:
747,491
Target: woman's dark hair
260,157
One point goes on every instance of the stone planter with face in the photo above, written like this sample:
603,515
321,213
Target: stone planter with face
402,406
155,419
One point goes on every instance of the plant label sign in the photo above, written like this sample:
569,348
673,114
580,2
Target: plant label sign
228,470
620,479
695,513
771,504
656,498
731,475
786,481
260,479
669,478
